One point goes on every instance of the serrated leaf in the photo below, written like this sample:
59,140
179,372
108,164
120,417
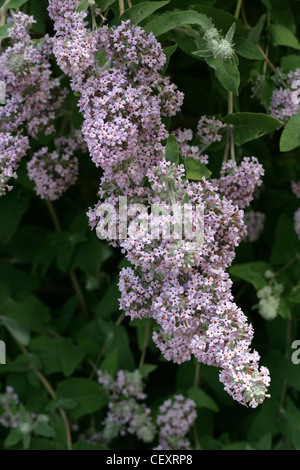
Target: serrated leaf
250,126
172,150
201,399
247,49
195,170
139,12
290,137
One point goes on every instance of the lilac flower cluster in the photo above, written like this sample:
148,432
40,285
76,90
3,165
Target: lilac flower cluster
175,419
15,416
183,137
186,291
32,94
126,415
238,183
208,129
254,221
54,172
282,106
12,149
9,401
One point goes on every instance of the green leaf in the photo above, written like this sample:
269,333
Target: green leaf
139,12
168,51
255,32
167,21
226,72
18,332
290,137
83,5
4,30
247,49
44,429
290,62
195,170
86,393
250,126
13,438
12,208
230,33
201,399
252,272
282,36
110,363
104,4
15,3
294,295
146,369
286,242
57,354
172,150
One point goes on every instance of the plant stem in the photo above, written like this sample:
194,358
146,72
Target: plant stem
129,3
121,7
146,339
238,8
51,392
53,215
197,375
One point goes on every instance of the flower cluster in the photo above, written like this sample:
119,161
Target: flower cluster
217,45
269,297
188,292
182,285
32,95
208,129
16,417
12,149
54,172
176,417
285,102
238,183
126,415
254,221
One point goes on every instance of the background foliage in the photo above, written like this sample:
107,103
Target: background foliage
59,314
